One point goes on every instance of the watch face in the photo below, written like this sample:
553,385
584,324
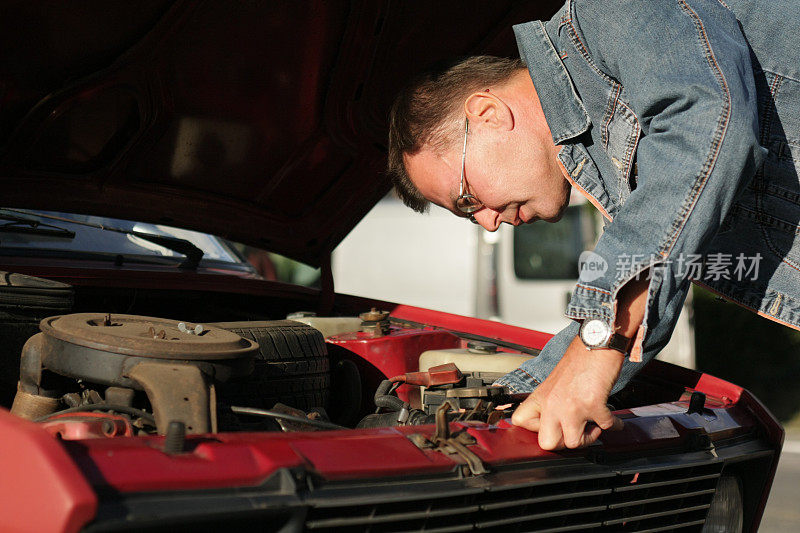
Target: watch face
594,332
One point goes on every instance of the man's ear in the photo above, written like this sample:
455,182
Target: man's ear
487,108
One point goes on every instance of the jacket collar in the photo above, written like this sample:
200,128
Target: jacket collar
563,109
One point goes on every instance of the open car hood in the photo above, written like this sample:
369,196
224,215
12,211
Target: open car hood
262,122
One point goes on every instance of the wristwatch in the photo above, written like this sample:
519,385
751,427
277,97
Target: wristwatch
596,334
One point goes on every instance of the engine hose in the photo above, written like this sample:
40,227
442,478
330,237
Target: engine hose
384,397
416,417
393,403
383,388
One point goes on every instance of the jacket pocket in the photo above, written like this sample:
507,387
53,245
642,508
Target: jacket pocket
620,134
777,186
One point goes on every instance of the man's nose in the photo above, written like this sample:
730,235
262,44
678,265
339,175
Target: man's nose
488,219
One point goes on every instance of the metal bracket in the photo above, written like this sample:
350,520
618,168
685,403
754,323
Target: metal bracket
177,392
450,443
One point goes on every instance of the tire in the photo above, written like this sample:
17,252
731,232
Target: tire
24,302
291,367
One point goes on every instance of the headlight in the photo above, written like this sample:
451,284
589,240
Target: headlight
725,514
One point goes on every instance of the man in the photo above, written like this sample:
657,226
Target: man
677,121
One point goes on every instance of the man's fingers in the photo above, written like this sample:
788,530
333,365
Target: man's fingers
551,435
556,432
574,439
607,421
528,414
590,435
617,424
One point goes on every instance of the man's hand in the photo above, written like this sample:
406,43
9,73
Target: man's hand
566,406
569,407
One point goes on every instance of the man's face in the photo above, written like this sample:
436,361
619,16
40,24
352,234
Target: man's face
515,175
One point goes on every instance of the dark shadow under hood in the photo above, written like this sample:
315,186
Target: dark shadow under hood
260,121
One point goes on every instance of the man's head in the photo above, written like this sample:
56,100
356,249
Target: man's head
510,163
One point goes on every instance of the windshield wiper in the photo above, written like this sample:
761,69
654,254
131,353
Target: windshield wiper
31,226
182,246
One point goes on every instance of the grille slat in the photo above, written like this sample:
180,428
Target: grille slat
543,499
654,498
578,527
662,498
393,517
541,516
666,483
673,527
648,516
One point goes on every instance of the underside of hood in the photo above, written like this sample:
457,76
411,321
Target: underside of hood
262,122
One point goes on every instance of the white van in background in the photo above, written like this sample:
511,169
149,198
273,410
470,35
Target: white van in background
520,275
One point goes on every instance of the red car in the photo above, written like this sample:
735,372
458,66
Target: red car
159,384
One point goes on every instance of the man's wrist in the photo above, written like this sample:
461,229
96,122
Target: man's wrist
597,333
605,358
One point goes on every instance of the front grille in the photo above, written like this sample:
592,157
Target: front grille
663,500
647,499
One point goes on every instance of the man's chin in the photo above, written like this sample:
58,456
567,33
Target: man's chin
553,218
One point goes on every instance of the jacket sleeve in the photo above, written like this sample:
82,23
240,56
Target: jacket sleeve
685,69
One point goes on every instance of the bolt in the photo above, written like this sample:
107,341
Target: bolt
175,437
108,428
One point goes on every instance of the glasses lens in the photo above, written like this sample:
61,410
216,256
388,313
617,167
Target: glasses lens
467,203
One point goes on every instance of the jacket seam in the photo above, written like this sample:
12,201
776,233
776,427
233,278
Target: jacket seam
617,88
767,109
756,310
633,142
719,134
765,218
581,47
776,191
532,378
595,289
591,198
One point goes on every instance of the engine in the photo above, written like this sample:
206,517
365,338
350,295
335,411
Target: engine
101,375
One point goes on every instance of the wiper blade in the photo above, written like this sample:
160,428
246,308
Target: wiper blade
31,226
182,246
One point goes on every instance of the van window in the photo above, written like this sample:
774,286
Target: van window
551,251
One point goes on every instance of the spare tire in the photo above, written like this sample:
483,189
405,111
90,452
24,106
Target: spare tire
291,366
24,302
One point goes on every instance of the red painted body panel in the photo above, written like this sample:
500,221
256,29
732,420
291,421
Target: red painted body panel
88,425
247,459
42,489
475,326
718,388
398,352
138,464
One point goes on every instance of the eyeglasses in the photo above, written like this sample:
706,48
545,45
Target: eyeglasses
466,202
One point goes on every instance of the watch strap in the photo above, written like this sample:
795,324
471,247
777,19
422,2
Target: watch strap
620,343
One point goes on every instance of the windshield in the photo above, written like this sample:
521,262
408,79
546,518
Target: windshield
97,240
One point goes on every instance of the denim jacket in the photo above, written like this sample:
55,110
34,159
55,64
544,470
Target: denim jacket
681,124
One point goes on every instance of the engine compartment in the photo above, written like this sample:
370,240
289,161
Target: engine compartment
87,374
103,375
